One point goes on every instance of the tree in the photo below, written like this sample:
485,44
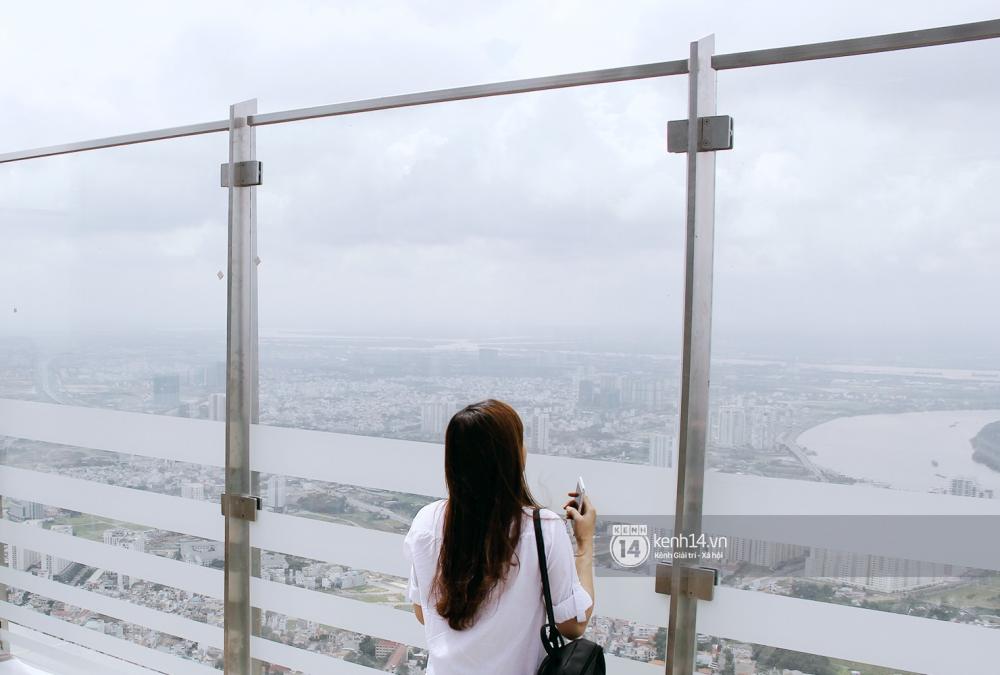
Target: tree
660,642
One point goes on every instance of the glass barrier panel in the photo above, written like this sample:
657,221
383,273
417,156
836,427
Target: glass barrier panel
855,399
112,401
414,261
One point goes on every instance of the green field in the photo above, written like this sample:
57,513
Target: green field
980,593
92,527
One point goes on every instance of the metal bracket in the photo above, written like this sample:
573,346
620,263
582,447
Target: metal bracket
244,507
246,174
716,133
696,582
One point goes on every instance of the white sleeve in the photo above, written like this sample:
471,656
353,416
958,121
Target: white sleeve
569,598
412,590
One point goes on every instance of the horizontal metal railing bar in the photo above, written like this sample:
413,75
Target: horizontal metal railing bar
117,141
149,509
914,39
869,636
55,653
92,639
154,568
982,30
605,76
162,622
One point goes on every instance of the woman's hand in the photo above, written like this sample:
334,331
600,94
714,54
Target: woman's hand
584,523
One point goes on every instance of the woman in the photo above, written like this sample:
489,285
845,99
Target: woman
474,577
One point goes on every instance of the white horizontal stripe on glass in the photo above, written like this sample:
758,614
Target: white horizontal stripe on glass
865,635
363,617
330,542
312,663
150,509
158,569
123,649
163,622
161,436
61,656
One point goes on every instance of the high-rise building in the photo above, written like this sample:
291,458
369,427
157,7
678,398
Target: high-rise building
875,572
761,553
125,538
193,491
21,558
536,431
213,377
963,486
166,391
732,426
21,511
54,565
435,416
217,407
661,450
277,493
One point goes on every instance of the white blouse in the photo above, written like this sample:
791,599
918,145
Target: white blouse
505,638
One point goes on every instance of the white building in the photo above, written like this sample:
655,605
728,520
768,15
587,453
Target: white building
217,407
125,538
963,486
277,493
767,554
350,579
53,565
193,491
536,431
21,558
435,415
22,511
661,450
875,572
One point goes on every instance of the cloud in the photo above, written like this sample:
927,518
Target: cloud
855,203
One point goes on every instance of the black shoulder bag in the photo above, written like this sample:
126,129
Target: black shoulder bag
575,657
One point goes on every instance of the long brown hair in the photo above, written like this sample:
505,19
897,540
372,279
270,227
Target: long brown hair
484,469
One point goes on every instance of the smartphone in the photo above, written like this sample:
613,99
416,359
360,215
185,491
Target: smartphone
581,490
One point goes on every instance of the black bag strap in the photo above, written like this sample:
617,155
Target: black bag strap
551,637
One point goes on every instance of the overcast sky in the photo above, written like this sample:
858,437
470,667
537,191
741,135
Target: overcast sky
857,215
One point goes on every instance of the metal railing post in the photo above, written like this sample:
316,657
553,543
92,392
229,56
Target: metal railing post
4,624
241,376
696,356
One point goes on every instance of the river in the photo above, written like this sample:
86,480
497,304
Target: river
901,450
